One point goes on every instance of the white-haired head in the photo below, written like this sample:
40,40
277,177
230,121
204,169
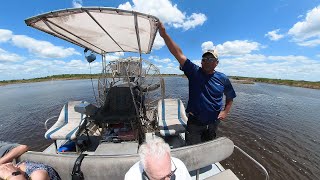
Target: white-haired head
155,148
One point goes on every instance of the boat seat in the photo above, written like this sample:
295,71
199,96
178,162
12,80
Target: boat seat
172,119
101,167
68,123
119,106
203,154
224,175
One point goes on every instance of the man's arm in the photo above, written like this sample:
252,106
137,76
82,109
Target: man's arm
172,46
14,153
223,114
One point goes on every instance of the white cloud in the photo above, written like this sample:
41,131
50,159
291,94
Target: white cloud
153,57
5,35
125,6
246,58
158,42
39,63
119,54
273,35
9,57
171,65
41,68
75,63
113,57
310,43
166,60
307,32
289,58
76,3
191,21
172,16
170,70
208,45
59,62
2,67
300,16
42,48
279,67
32,69
237,47
156,59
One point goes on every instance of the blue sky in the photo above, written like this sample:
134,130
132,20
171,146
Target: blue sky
272,38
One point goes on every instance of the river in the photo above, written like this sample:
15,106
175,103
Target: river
277,125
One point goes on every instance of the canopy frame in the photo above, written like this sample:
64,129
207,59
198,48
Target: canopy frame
49,23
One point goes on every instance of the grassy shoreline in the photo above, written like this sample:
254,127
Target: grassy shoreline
236,79
295,83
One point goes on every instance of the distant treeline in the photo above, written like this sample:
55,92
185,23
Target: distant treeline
61,77
306,84
53,77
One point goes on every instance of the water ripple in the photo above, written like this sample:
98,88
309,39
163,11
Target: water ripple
277,125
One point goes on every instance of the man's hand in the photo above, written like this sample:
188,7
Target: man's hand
162,29
172,46
222,115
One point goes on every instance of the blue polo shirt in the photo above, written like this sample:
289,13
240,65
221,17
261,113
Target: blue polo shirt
206,92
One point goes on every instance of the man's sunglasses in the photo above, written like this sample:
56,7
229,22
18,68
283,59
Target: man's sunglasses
211,59
171,175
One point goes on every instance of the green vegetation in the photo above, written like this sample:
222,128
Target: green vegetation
237,79
305,84
54,77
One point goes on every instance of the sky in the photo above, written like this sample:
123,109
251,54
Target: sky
272,39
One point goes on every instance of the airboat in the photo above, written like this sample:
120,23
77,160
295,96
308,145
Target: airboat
100,140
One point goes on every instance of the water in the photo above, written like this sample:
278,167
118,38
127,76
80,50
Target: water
277,125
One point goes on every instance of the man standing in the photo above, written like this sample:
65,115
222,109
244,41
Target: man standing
206,89
156,163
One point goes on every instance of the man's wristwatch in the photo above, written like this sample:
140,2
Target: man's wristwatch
15,173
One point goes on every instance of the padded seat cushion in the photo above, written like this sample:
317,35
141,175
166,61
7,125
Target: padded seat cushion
118,107
172,118
68,123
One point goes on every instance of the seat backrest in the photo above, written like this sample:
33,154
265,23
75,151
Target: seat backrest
172,118
114,167
67,125
97,167
204,154
118,101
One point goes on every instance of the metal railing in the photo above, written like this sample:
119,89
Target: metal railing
255,161
46,122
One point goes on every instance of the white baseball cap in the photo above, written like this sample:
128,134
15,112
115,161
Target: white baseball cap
213,52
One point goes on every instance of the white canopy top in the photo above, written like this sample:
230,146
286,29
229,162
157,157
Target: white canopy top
100,29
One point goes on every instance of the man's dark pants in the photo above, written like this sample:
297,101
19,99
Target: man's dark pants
198,132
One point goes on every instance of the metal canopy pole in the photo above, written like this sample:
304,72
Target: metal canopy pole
104,62
103,29
138,39
49,26
139,46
